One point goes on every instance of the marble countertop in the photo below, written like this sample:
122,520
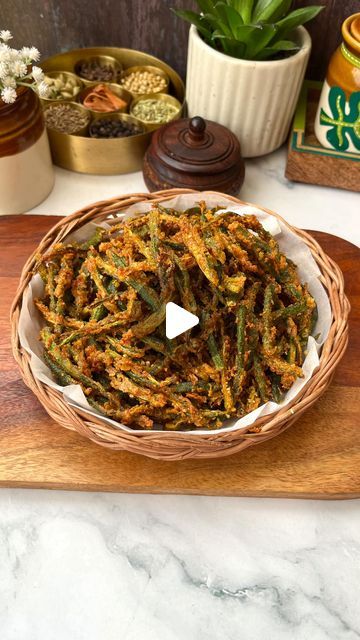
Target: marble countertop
108,566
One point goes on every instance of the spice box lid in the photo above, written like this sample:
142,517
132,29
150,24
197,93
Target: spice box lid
194,153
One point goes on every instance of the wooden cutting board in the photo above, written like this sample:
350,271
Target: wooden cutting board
318,457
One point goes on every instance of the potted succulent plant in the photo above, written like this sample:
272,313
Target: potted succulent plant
26,170
246,64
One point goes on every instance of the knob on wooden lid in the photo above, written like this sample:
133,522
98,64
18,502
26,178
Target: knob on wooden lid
194,153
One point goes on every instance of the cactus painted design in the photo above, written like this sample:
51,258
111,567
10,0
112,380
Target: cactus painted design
345,123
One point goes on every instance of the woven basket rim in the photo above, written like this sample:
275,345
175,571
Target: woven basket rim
175,445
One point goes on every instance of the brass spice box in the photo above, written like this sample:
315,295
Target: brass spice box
105,156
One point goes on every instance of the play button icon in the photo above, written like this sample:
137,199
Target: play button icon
178,320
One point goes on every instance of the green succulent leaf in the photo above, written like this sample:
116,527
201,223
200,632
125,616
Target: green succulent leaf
197,20
277,47
296,18
270,10
244,8
230,16
249,29
231,47
218,25
206,6
261,37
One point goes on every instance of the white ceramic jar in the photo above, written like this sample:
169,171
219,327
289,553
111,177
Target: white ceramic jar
26,170
256,100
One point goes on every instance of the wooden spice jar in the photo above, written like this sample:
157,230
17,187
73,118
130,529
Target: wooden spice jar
26,170
194,153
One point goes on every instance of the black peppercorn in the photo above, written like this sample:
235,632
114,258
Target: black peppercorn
113,128
97,72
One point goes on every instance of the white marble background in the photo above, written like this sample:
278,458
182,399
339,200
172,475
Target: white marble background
78,566
100,566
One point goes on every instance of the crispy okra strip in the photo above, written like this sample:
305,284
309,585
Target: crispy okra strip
65,364
214,352
54,319
63,282
61,376
225,382
98,313
261,380
154,224
275,387
214,247
131,351
80,291
154,343
148,294
123,383
140,244
269,331
280,366
253,400
50,286
98,327
250,296
291,354
184,286
240,347
94,240
295,309
149,325
196,245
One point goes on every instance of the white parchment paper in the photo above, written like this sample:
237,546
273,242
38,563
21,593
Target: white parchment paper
31,321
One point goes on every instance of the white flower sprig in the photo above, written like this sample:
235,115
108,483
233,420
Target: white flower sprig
17,69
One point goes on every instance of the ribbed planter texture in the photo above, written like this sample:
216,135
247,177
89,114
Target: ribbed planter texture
255,100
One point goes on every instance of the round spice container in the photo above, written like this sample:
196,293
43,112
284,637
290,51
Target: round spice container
156,109
98,69
64,85
105,98
115,126
145,79
195,154
66,117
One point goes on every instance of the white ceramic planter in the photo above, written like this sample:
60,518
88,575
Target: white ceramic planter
256,100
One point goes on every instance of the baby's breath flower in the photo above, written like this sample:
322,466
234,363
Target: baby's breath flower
8,81
43,89
34,54
30,54
13,55
4,53
5,35
37,74
3,70
8,95
19,68
14,70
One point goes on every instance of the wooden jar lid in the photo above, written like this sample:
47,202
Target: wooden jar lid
194,153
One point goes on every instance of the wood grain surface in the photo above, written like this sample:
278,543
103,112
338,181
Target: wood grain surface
148,25
318,457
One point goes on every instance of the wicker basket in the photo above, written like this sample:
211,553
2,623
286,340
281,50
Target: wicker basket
181,445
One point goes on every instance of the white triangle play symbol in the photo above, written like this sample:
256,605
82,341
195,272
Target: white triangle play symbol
178,320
